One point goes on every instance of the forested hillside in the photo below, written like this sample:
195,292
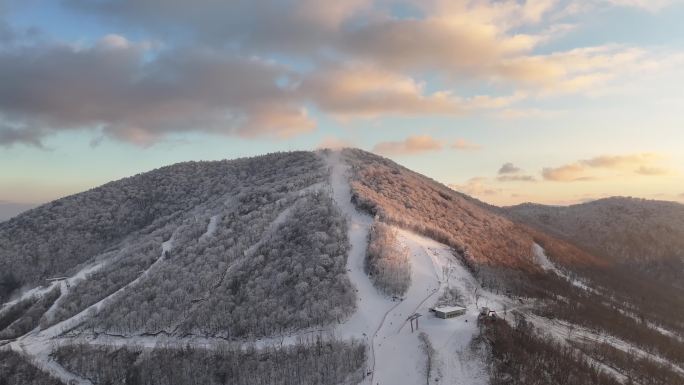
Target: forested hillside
588,288
305,268
621,228
235,248
643,233
53,239
398,195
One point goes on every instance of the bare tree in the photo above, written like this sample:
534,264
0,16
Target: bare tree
430,356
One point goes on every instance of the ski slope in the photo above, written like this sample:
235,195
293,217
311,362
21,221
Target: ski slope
371,306
37,345
400,359
395,357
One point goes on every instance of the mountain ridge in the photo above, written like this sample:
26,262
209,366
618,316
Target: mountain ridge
324,255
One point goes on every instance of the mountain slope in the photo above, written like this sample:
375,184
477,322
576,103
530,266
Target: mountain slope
400,196
53,239
621,228
270,270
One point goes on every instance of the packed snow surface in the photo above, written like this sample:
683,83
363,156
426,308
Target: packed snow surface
395,354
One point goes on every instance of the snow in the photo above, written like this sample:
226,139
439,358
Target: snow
42,290
36,291
448,309
167,246
545,263
38,353
564,331
666,332
37,345
433,269
542,260
211,227
279,220
371,307
395,355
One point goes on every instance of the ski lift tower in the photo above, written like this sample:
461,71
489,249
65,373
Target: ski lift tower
414,317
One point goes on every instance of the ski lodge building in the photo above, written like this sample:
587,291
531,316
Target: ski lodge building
448,311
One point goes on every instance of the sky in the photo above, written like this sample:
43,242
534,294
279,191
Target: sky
549,101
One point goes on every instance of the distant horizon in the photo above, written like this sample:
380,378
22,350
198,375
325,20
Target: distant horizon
546,101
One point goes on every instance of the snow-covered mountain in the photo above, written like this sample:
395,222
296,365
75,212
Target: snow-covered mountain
620,228
315,268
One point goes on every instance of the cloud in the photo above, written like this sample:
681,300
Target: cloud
459,39
265,25
6,34
464,145
528,113
652,171
111,86
477,187
566,173
588,169
650,5
516,178
362,91
410,146
509,172
30,136
227,75
509,168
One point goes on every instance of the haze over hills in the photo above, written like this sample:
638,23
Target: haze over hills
622,228
303,267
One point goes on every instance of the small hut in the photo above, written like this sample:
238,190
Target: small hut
445,312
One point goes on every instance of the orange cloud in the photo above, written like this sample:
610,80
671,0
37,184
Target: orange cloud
476,187
641,164
464,145
409,146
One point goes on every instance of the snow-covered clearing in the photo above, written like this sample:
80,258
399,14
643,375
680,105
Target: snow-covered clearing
371,306
64,282
211,227
545,263
279,220
395,355
37,345
564,331
33,292
666,332
399,357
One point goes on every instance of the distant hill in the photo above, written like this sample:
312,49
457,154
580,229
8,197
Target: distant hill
621,228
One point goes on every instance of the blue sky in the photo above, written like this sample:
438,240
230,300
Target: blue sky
582,97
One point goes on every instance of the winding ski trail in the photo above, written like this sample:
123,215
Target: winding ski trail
395,357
